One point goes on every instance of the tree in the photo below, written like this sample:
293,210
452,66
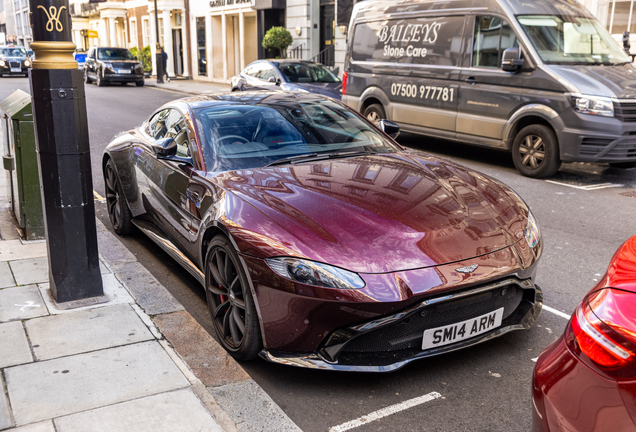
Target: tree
144,57
277,38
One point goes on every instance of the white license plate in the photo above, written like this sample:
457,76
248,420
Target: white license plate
16,70
452,333
123,71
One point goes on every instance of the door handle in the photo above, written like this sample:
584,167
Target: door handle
471,80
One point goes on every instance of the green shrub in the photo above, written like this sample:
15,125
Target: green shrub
144,57
277,38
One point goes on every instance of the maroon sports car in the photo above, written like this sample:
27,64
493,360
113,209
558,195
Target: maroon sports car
320,241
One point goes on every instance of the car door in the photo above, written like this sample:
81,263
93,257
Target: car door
487,94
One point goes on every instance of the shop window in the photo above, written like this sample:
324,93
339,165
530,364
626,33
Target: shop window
201,51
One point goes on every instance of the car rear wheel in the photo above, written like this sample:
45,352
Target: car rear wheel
535,152
139,83
230,301
118,210
374,113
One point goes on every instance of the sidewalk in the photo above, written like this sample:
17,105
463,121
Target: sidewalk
137,363
191,87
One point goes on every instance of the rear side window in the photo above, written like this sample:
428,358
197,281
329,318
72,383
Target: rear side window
492,37
434,41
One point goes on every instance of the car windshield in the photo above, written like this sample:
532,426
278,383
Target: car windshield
571,40
114,54
249,136
13,52
307,73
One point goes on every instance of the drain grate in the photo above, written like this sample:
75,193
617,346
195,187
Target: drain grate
631,194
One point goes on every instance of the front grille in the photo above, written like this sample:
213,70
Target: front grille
623,150
625,111
593,146
408,333
14,64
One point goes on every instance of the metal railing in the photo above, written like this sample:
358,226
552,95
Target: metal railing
296,53
326,56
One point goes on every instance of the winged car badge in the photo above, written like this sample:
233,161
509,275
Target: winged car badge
467,269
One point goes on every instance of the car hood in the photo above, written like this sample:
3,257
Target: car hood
373,214
608,81
333,90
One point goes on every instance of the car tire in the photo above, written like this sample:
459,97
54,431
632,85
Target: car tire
87,80
100,81
139,83
231,304
374,113
623,165
118,210
535,152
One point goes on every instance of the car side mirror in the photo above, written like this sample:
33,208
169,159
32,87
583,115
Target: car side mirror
389,128
510,60
166,149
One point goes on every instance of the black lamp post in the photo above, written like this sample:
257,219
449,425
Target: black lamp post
61,126
158,55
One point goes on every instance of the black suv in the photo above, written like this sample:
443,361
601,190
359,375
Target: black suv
106,65
14,60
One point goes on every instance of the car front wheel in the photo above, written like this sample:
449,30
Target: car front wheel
374,113
100,81
535,152
118,210
230,301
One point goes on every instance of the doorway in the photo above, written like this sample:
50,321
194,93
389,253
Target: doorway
327,33
177,51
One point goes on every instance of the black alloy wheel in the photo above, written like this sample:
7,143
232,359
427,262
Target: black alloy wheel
374,113
118,210
535,152
230,301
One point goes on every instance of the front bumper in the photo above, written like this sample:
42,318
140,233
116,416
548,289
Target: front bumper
7,69
363,347
115,77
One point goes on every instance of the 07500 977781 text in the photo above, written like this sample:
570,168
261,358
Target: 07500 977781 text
445,94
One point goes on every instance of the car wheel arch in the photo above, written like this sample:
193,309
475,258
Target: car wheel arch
375,95
525,116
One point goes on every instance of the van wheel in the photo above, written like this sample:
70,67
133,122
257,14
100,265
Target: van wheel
535,152
374,113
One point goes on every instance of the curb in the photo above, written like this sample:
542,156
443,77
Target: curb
234,400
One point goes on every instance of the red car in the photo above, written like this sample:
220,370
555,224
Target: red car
586,380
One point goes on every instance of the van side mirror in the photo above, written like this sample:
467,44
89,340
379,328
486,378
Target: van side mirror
389,128
510,60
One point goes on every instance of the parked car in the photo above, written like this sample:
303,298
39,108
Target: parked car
80,58
586,380
288,75
319,240
14,61
109,65
542,79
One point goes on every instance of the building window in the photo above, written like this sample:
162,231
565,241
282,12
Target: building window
133,33
146,30
201,52
621,17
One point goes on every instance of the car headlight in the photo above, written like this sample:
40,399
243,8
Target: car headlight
27,63
2,63
109,66
532,234
315,273
595,105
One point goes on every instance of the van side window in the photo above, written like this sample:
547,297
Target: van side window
492,36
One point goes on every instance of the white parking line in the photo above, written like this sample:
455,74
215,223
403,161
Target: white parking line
589,187
377,415
556,312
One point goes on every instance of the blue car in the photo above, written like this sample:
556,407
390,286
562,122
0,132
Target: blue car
288,75
80,58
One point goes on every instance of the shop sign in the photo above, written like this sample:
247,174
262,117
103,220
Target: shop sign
219,3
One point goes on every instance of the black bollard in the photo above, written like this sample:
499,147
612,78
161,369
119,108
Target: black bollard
61,126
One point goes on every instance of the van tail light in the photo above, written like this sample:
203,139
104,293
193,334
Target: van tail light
344,83
602,333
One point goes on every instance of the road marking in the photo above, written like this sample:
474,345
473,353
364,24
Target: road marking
535,359
589,187
97,196
556,312
377,415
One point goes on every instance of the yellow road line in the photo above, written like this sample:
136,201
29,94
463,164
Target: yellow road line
98,197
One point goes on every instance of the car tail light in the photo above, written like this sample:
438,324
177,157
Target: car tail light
344,83
602,333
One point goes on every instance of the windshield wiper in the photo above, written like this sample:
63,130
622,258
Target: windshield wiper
317,156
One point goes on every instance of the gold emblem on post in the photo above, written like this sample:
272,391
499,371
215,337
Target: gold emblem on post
53,15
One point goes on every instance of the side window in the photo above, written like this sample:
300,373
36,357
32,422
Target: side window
492,36
251,70
157,125
176,128
267,71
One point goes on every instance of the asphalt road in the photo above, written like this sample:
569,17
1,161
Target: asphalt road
584,218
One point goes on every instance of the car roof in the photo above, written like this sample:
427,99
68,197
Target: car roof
250,98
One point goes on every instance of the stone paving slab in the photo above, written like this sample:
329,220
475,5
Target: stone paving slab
36,270
6,420
177,411
252,409
14,346
112,249
204,356
11,250
84,331
68,385
113,289
45,426
6,277
20,303
149,293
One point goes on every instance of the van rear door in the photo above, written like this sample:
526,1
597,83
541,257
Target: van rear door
487,95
